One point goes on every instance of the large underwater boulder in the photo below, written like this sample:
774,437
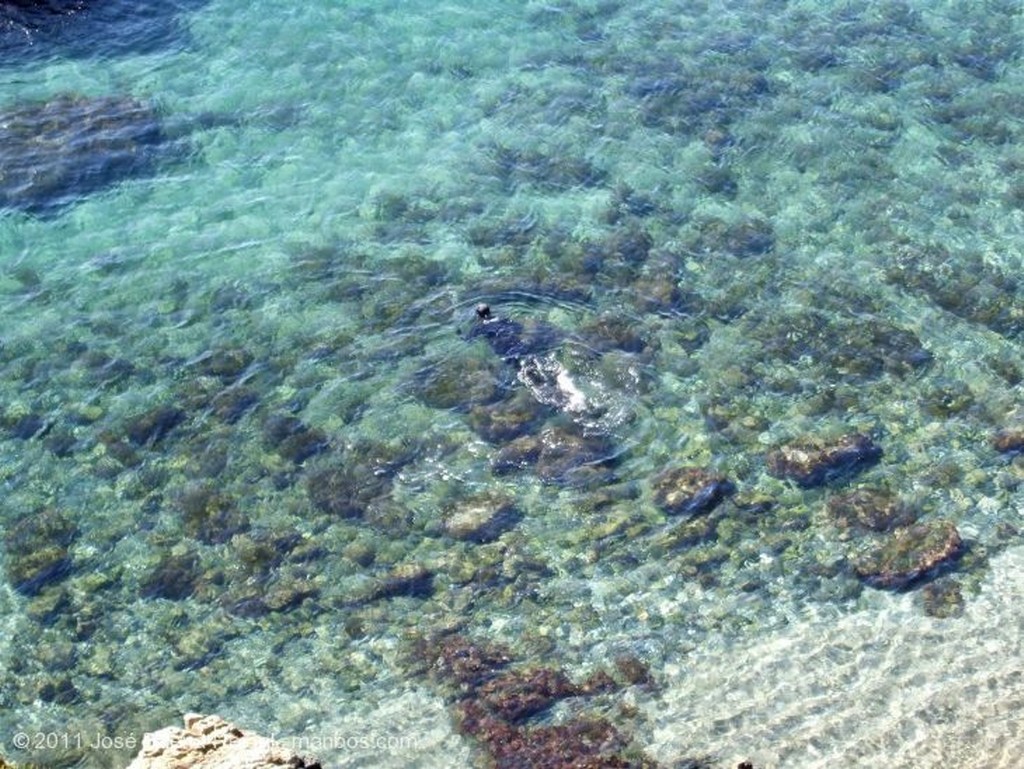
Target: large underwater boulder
54,152
40,29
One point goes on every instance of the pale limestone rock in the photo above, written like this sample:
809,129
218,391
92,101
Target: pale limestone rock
210,742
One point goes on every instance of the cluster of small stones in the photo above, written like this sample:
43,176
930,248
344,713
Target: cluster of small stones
895,551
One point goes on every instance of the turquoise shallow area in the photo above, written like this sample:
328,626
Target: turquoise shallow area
241,394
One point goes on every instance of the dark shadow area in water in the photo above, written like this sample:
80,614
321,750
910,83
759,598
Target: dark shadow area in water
40,29
54,152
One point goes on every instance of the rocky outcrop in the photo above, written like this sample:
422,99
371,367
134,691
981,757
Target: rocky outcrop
210,742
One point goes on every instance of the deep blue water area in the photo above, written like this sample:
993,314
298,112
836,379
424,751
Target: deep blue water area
456,384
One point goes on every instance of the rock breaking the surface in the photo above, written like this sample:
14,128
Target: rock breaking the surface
210,742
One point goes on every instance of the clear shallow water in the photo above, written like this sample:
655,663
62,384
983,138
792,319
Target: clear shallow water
729,225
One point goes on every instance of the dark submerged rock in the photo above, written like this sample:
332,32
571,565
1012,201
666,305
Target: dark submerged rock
751,237
346,492
549,171
409,580
909,555
226,363
559,456
690,490
27,426
870,509
496,704
152,426
38,29
460,381
814,461
1009,440
633,670
481,518
53,153
292,439
851,349
232,403
37,548
943,598
968,285
508,419
516,695
174,577
467,663
209,515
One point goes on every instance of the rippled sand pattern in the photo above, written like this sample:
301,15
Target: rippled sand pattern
881,687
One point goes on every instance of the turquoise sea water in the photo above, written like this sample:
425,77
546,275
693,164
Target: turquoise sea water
241,393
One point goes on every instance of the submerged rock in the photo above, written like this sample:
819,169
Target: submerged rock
481,518
497,704
1009,440
871,510
53,153
909,555
943,599
407,580
519,694
967,284
39,29
814,461
560,456
292,439
150,427
459,381
508,419
345,492
689,490
462,661
175,577
209,515
226,363
56,151
37,548
210,742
